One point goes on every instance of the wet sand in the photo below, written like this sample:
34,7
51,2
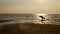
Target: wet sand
1,21
30,28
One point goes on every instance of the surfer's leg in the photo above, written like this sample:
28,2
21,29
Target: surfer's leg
42,20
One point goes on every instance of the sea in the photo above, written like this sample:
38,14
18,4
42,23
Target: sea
29,18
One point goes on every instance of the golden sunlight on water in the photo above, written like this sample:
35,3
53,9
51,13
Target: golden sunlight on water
41,19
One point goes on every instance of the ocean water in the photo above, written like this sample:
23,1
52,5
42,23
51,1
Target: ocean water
30,18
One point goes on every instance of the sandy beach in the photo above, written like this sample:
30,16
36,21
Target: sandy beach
30,28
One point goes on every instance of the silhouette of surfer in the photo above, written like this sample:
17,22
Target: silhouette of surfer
42,18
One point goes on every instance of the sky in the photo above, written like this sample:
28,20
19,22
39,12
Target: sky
30,6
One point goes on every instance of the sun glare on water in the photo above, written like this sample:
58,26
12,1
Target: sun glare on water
41,15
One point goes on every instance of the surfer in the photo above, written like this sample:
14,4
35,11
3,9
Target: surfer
42,18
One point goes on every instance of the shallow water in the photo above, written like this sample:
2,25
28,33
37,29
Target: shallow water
30,18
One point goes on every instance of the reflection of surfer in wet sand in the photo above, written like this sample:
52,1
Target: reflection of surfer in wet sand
42,18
